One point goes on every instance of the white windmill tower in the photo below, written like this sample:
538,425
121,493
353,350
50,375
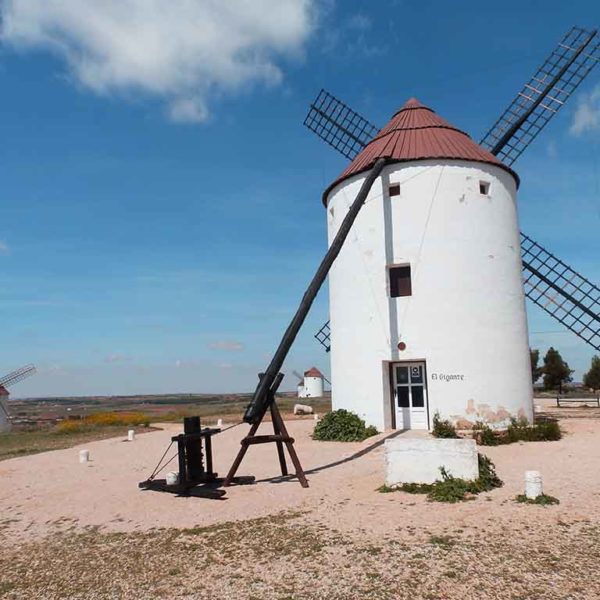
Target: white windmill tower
427,293
427,309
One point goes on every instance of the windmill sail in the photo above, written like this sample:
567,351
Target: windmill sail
562,292
323,336
543,95
17,375
338,125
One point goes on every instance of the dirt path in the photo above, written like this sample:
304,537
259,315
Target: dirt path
338,539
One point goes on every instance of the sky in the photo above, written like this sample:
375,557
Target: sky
160,200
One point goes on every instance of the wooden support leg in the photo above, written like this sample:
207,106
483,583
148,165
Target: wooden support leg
240,456
278,432
290,446
280,437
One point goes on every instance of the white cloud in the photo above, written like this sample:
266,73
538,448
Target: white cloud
4,249
352,37
227,345
587,115
184,51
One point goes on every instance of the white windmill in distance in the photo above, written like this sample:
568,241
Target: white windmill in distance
5,382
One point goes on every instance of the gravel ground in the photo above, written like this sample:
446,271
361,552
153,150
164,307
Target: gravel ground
85,531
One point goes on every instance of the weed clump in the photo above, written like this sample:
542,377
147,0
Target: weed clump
542,500
519,430
544,431
443,428
453,489
342,426
485,435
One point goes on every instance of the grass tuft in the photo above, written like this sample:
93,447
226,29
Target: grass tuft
541,500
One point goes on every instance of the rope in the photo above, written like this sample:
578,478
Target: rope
157,469
230,427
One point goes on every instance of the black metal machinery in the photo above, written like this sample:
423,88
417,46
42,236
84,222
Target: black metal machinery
194,445
194,454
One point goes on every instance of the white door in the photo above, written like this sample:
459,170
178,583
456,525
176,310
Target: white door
410,395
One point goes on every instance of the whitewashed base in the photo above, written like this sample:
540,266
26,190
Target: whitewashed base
419,460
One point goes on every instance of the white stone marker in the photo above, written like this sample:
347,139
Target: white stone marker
316,416
84,456
130,435
533,484
172,478
418,460
219,422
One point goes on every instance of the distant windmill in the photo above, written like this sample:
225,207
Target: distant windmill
5,382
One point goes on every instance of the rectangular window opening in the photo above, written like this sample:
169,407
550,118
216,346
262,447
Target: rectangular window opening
484,187
400,283
394,189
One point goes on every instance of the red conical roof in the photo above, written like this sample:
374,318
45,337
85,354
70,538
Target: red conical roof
415,132
313,372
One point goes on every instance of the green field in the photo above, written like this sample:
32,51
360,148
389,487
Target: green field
85,415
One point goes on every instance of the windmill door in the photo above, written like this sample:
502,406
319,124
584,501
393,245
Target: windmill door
410,395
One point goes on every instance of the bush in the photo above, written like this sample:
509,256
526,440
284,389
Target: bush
544,431
519,430
342,426
453,489
443,428
485,435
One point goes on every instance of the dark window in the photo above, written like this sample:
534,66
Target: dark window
394,189
418,398
401,375
484,187
400,282
402,396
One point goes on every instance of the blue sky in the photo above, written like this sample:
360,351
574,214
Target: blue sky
160,203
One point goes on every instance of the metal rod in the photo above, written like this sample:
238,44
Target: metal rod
257,405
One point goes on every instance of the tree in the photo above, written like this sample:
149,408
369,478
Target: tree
556,370
536,371
592,378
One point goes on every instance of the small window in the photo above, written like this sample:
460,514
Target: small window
400,284
394,189
484,187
